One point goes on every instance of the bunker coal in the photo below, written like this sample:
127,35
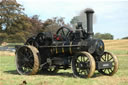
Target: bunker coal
66,49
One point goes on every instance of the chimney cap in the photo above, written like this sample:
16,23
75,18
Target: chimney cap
89,10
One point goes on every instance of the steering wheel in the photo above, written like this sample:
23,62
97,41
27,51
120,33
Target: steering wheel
64,33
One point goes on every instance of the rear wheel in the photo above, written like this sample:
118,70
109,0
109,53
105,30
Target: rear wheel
109,57
27,61
83,65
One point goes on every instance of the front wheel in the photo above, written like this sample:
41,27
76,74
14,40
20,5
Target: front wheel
83,65
109,57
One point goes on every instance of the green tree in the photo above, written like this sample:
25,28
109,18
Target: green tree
13,20
52,25
3,36
125,37
10,12
17,27
37,25
105,36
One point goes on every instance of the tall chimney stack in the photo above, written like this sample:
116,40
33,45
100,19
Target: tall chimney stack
89,13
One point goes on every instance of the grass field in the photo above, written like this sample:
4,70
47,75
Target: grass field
9,75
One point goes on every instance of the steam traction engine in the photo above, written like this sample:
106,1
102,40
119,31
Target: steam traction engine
77,50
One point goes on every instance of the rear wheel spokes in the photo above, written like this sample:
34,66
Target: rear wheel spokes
27,60
26,70
83,65
83,72
26,57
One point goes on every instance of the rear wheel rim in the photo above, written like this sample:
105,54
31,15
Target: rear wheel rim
27,61
83,65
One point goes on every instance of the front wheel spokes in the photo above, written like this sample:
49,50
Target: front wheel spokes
102,58
109,57
107,70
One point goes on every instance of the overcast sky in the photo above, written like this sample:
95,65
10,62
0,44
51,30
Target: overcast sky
111,15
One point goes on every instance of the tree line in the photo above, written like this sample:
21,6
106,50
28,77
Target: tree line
16,26
104,36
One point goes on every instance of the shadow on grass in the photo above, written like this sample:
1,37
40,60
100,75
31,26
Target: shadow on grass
63,74
11,72
97,75
66,74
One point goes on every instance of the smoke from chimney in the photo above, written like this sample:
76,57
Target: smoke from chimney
83,16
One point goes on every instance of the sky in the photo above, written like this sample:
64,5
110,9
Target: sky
111,15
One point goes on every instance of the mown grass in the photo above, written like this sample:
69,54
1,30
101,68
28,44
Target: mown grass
9,75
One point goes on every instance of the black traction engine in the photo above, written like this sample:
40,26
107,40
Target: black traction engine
77,50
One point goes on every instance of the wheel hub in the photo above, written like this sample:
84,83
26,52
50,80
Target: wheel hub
26,59
83,65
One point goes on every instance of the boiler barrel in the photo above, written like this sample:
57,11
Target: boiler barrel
65,48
